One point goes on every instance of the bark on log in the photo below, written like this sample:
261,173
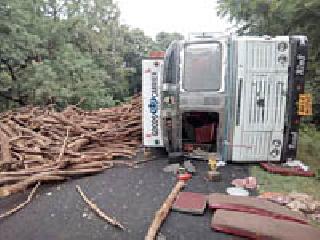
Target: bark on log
8,190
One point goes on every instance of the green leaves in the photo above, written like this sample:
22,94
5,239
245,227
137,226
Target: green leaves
62,51
163,39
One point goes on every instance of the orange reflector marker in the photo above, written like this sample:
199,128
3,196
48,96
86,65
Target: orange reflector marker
305,104
157,54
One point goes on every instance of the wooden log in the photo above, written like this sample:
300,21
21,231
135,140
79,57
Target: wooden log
78,144
20,186
11,179
163,212
5,148
39,148
63,146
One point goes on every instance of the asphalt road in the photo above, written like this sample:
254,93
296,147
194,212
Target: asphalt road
132,196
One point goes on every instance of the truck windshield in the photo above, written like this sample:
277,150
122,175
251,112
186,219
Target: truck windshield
202,67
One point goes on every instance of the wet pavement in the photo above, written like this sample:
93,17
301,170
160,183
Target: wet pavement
130,195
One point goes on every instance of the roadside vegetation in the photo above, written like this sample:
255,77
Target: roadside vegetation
70,51
308,152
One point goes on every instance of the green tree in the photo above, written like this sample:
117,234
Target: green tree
18,47
61,51
163,39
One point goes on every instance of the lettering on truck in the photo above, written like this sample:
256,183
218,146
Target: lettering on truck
153,105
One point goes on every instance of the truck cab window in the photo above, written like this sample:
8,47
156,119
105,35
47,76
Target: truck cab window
202,67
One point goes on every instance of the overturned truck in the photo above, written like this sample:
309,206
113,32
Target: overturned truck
239,97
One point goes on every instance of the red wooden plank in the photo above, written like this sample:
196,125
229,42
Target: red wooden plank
286,171
254,226
254,205
190,202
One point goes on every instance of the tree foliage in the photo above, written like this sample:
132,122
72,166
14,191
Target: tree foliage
62,51
285,17
163,39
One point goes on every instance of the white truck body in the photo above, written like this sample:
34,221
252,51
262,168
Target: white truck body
151,94
261,88
245,87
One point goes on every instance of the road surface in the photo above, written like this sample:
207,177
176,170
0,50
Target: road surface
132,196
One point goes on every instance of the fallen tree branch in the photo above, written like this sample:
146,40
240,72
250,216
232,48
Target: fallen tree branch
163,212
21,205
98,211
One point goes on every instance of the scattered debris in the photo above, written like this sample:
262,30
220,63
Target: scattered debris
189,166
22,205
298,202
163,212
286,171
212,161
213,176
44,145
254,226
315,217
184,176
98,211
237,191
254,205
276,197
173,168
297,164
198,153
248,182
221,163
190,202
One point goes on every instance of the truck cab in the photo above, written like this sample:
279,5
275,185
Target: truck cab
193,94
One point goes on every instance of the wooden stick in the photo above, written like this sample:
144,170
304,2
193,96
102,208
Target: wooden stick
98,211
163,212
63,146
21,205
5,155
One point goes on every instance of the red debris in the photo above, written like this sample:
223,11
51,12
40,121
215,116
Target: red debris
249,182
254,226
190,202
254,205
286,171
184,176
205,133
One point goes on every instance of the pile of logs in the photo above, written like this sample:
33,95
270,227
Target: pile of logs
45,145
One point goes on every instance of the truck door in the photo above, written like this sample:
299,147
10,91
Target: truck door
261,89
